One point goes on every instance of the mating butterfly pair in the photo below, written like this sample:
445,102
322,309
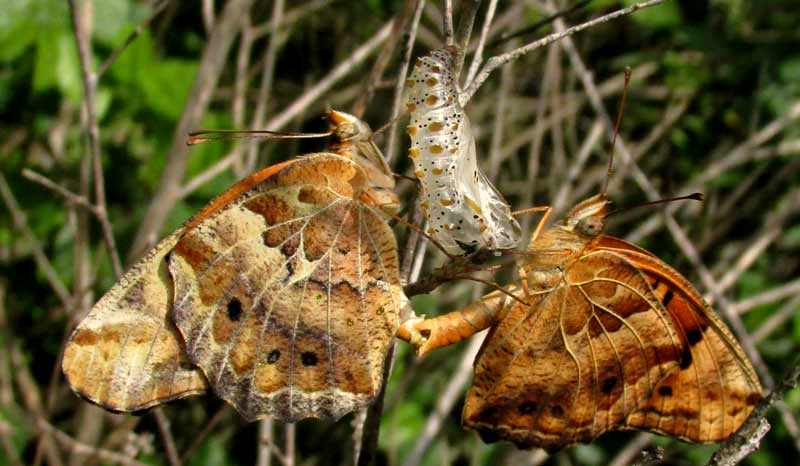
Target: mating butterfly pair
282,295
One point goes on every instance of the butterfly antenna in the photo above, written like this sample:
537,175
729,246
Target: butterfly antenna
690,197
206,135
616,126
386,125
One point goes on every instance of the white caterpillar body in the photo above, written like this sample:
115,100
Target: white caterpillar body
465,211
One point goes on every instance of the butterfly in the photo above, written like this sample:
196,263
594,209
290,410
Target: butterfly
464,210
600,335
282,295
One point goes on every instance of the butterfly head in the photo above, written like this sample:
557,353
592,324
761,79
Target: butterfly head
589,216
352,138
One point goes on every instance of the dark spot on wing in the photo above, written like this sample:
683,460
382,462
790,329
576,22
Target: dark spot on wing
609,384
308,358
527,407
665,390
234,309
693,336
273,356
686,358
667,298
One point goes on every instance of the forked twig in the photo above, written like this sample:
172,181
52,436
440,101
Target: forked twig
500,60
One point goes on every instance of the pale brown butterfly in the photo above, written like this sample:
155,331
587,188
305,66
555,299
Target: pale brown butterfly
282,295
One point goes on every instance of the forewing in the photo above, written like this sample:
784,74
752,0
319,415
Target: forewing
587,352
127,355
715,388
288,298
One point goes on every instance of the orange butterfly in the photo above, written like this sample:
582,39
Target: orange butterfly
604,336
282,295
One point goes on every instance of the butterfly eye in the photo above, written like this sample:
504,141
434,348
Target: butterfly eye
345,131
590,226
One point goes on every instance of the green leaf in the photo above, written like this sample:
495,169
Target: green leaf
664,16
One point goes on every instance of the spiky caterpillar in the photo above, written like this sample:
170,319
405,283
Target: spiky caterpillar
465,211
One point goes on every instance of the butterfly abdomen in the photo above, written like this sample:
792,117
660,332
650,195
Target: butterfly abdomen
464,210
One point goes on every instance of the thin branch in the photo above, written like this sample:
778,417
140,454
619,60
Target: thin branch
42,262
445,402
84,450
267,76
447,26
381,62
477,57
750,434
157,9
342,69
166,436
89,80
210,66
295,108
209,426
786,290
466,20
500,60
60,190
400,83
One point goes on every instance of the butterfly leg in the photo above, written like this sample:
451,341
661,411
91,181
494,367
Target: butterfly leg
426,335
523,275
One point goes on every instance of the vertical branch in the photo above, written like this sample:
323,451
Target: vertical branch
197,101
382,61
264,457
400,83
89,80
449,35
240,85
477,58
267,76
466,19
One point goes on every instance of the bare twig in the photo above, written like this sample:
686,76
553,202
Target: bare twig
89,80
265,441
786,290
197,101
445,402
500,60
166,436
447,26
749,436
631,451
157,9
400,83
83,450
382,60
296,107
267,76
477,57
466,20
42,262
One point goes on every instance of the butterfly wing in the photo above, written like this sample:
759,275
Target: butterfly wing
715,387
288,297
126,355
588,351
